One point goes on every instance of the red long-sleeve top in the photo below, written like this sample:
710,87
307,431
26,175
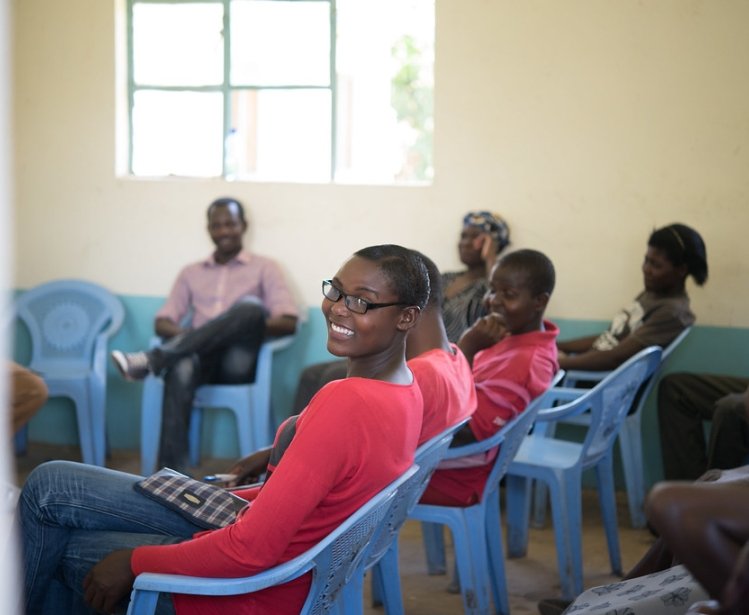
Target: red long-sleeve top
355,437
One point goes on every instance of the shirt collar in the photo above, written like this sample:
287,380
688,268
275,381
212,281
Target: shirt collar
242,258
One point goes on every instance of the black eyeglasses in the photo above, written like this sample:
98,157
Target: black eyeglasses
355,304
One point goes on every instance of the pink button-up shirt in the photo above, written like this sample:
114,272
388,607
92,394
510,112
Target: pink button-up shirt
209,288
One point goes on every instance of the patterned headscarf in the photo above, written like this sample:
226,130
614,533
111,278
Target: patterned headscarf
490,223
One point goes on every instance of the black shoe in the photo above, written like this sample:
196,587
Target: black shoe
553,606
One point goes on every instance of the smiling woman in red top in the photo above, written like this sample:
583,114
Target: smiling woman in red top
87,533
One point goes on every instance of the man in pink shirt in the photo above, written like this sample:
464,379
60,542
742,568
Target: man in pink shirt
232,300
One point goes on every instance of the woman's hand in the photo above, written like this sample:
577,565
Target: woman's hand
109,582
249,469
485,332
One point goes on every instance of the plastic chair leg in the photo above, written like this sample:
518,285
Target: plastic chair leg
434,546
566,510
85,428
517,497
21,440
386,585
540,492
607,499
630,446
194,435
496,558
150,427
472,561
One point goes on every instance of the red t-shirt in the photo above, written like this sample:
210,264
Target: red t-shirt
356,436
446,382
508,375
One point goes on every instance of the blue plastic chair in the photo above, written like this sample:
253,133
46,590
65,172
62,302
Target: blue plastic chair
476,529
334,561
70,323
630,439
382,554
560,464
250,403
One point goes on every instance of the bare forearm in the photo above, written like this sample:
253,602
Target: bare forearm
580,344
593,360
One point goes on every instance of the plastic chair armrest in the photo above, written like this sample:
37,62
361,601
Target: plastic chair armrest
576,375
578,405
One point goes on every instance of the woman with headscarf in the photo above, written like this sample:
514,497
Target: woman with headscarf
484,236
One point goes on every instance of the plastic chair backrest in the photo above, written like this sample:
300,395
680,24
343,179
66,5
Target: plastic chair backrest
609,402
333,561
64,319
574,376
510,437
427,456
649,383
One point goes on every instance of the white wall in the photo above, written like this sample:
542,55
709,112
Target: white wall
10,598
585,123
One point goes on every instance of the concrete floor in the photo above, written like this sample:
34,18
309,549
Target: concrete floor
529,579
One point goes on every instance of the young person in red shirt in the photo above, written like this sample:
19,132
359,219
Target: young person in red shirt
513,354
86,531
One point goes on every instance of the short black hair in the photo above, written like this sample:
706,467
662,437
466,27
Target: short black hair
682,245
404,269
435,281
538,268
226,201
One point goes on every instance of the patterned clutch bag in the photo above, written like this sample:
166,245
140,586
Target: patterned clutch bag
205,505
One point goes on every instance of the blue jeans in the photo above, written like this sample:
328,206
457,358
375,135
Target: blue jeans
72,515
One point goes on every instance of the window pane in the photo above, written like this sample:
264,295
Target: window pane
178,44
385,68
282,135
280,43
178,133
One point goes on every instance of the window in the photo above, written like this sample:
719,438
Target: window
281,90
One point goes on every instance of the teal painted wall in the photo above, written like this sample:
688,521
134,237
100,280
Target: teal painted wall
708,349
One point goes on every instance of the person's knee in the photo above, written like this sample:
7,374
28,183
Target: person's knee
669,389
184,373
730,408
46,474
250,311
663,506
237,366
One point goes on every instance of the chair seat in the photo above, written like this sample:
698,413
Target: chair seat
546,452
65,373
